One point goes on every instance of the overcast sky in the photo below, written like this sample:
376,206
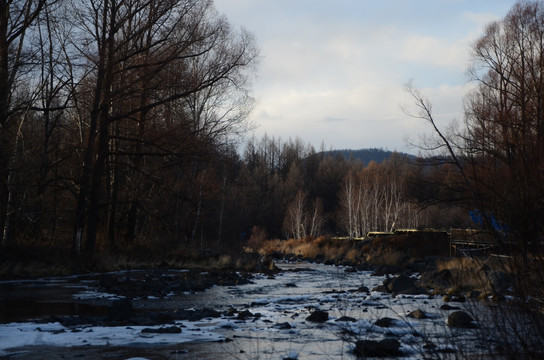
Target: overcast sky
334,71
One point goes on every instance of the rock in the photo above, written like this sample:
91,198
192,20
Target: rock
460,319
384,322
386,270
436,279
364,289
382,348
499,281
403,284
497,298
380,288
346,319
231,311
283,326
195,315
162,330
318,316
417,314
243,315
121,310
458,298
448,307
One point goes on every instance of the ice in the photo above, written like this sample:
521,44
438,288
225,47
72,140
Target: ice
90,294
323,287
13,335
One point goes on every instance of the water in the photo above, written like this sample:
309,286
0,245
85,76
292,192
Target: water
277,329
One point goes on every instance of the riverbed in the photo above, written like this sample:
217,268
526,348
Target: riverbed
268,318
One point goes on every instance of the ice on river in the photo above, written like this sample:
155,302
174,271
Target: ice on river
283,304
15,335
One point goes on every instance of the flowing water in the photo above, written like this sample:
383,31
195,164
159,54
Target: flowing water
275,324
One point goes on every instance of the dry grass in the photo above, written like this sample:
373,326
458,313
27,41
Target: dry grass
321,247
390,250
467,274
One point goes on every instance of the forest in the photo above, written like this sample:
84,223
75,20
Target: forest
123,126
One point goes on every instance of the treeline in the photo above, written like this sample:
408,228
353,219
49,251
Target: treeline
115,118
295,191
118,129
119,123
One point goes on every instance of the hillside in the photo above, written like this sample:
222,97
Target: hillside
365,155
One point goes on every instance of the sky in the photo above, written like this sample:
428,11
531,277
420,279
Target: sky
334,72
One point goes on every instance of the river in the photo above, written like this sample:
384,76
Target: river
266,319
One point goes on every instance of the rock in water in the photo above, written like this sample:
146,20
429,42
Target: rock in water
403,284
383,348
162,330
384,322
318,316
417,314
460,319
121,310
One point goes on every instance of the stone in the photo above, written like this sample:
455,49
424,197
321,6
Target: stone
243,315
162,330
384,322
346,319
460,319
436,279
402,284
417,314
386,270
364,289
283,326
195,315
318,316
499,281
380,349
121,310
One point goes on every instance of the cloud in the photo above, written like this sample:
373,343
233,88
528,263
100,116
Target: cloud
436,51
336,73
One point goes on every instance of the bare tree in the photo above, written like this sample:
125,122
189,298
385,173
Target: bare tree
143,59
294,224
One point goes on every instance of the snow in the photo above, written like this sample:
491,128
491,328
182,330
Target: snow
322,288
13,335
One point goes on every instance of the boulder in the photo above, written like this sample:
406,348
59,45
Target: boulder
384,322
346,319
364,289
386,270
283,326
402,284
382,348
417,314
195,315
318,316
243,315
460,319
121,310
499,281
436,279
162,330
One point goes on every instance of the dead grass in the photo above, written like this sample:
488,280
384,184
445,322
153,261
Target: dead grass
466,274
390,250
322,247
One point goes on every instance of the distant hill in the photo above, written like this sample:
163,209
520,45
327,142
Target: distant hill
365,155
